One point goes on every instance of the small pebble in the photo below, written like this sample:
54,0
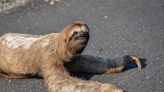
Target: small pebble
9,81
37,23
23,86
147,77
105,17
158,58
52,3
100,8
19,21
68,4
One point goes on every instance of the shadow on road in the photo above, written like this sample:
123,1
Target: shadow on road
132,65
88,76
82,75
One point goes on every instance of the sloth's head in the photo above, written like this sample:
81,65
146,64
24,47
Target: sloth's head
76,37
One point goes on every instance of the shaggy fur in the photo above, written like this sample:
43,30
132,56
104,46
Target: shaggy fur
23,55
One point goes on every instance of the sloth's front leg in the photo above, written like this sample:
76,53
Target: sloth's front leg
121,62
57,79
95,64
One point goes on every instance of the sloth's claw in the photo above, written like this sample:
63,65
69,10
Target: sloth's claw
120,68
137,61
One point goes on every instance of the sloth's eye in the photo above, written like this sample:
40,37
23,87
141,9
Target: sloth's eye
75,33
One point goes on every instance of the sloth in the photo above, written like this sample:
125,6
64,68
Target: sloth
51,56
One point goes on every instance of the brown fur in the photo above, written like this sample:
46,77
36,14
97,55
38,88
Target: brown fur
115,70
48,61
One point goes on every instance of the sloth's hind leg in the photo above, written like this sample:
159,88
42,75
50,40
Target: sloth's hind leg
13,75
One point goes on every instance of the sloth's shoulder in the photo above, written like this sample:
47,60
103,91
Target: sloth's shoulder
19,35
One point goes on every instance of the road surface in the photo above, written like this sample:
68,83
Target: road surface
118,27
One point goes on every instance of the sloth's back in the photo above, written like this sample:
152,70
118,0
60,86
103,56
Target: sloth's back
17,59
16,40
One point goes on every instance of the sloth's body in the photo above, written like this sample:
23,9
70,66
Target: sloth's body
23,55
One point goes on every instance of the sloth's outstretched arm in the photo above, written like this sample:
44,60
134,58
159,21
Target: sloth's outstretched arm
57,79
95,64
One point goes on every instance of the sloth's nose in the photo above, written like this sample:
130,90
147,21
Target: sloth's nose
83,34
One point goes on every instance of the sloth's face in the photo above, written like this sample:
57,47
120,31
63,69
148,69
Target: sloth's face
78,37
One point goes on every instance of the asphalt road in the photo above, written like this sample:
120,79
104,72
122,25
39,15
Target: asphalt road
118,27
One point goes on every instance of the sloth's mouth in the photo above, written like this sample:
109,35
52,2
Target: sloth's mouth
81,35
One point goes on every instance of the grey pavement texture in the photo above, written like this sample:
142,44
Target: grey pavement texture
118,27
